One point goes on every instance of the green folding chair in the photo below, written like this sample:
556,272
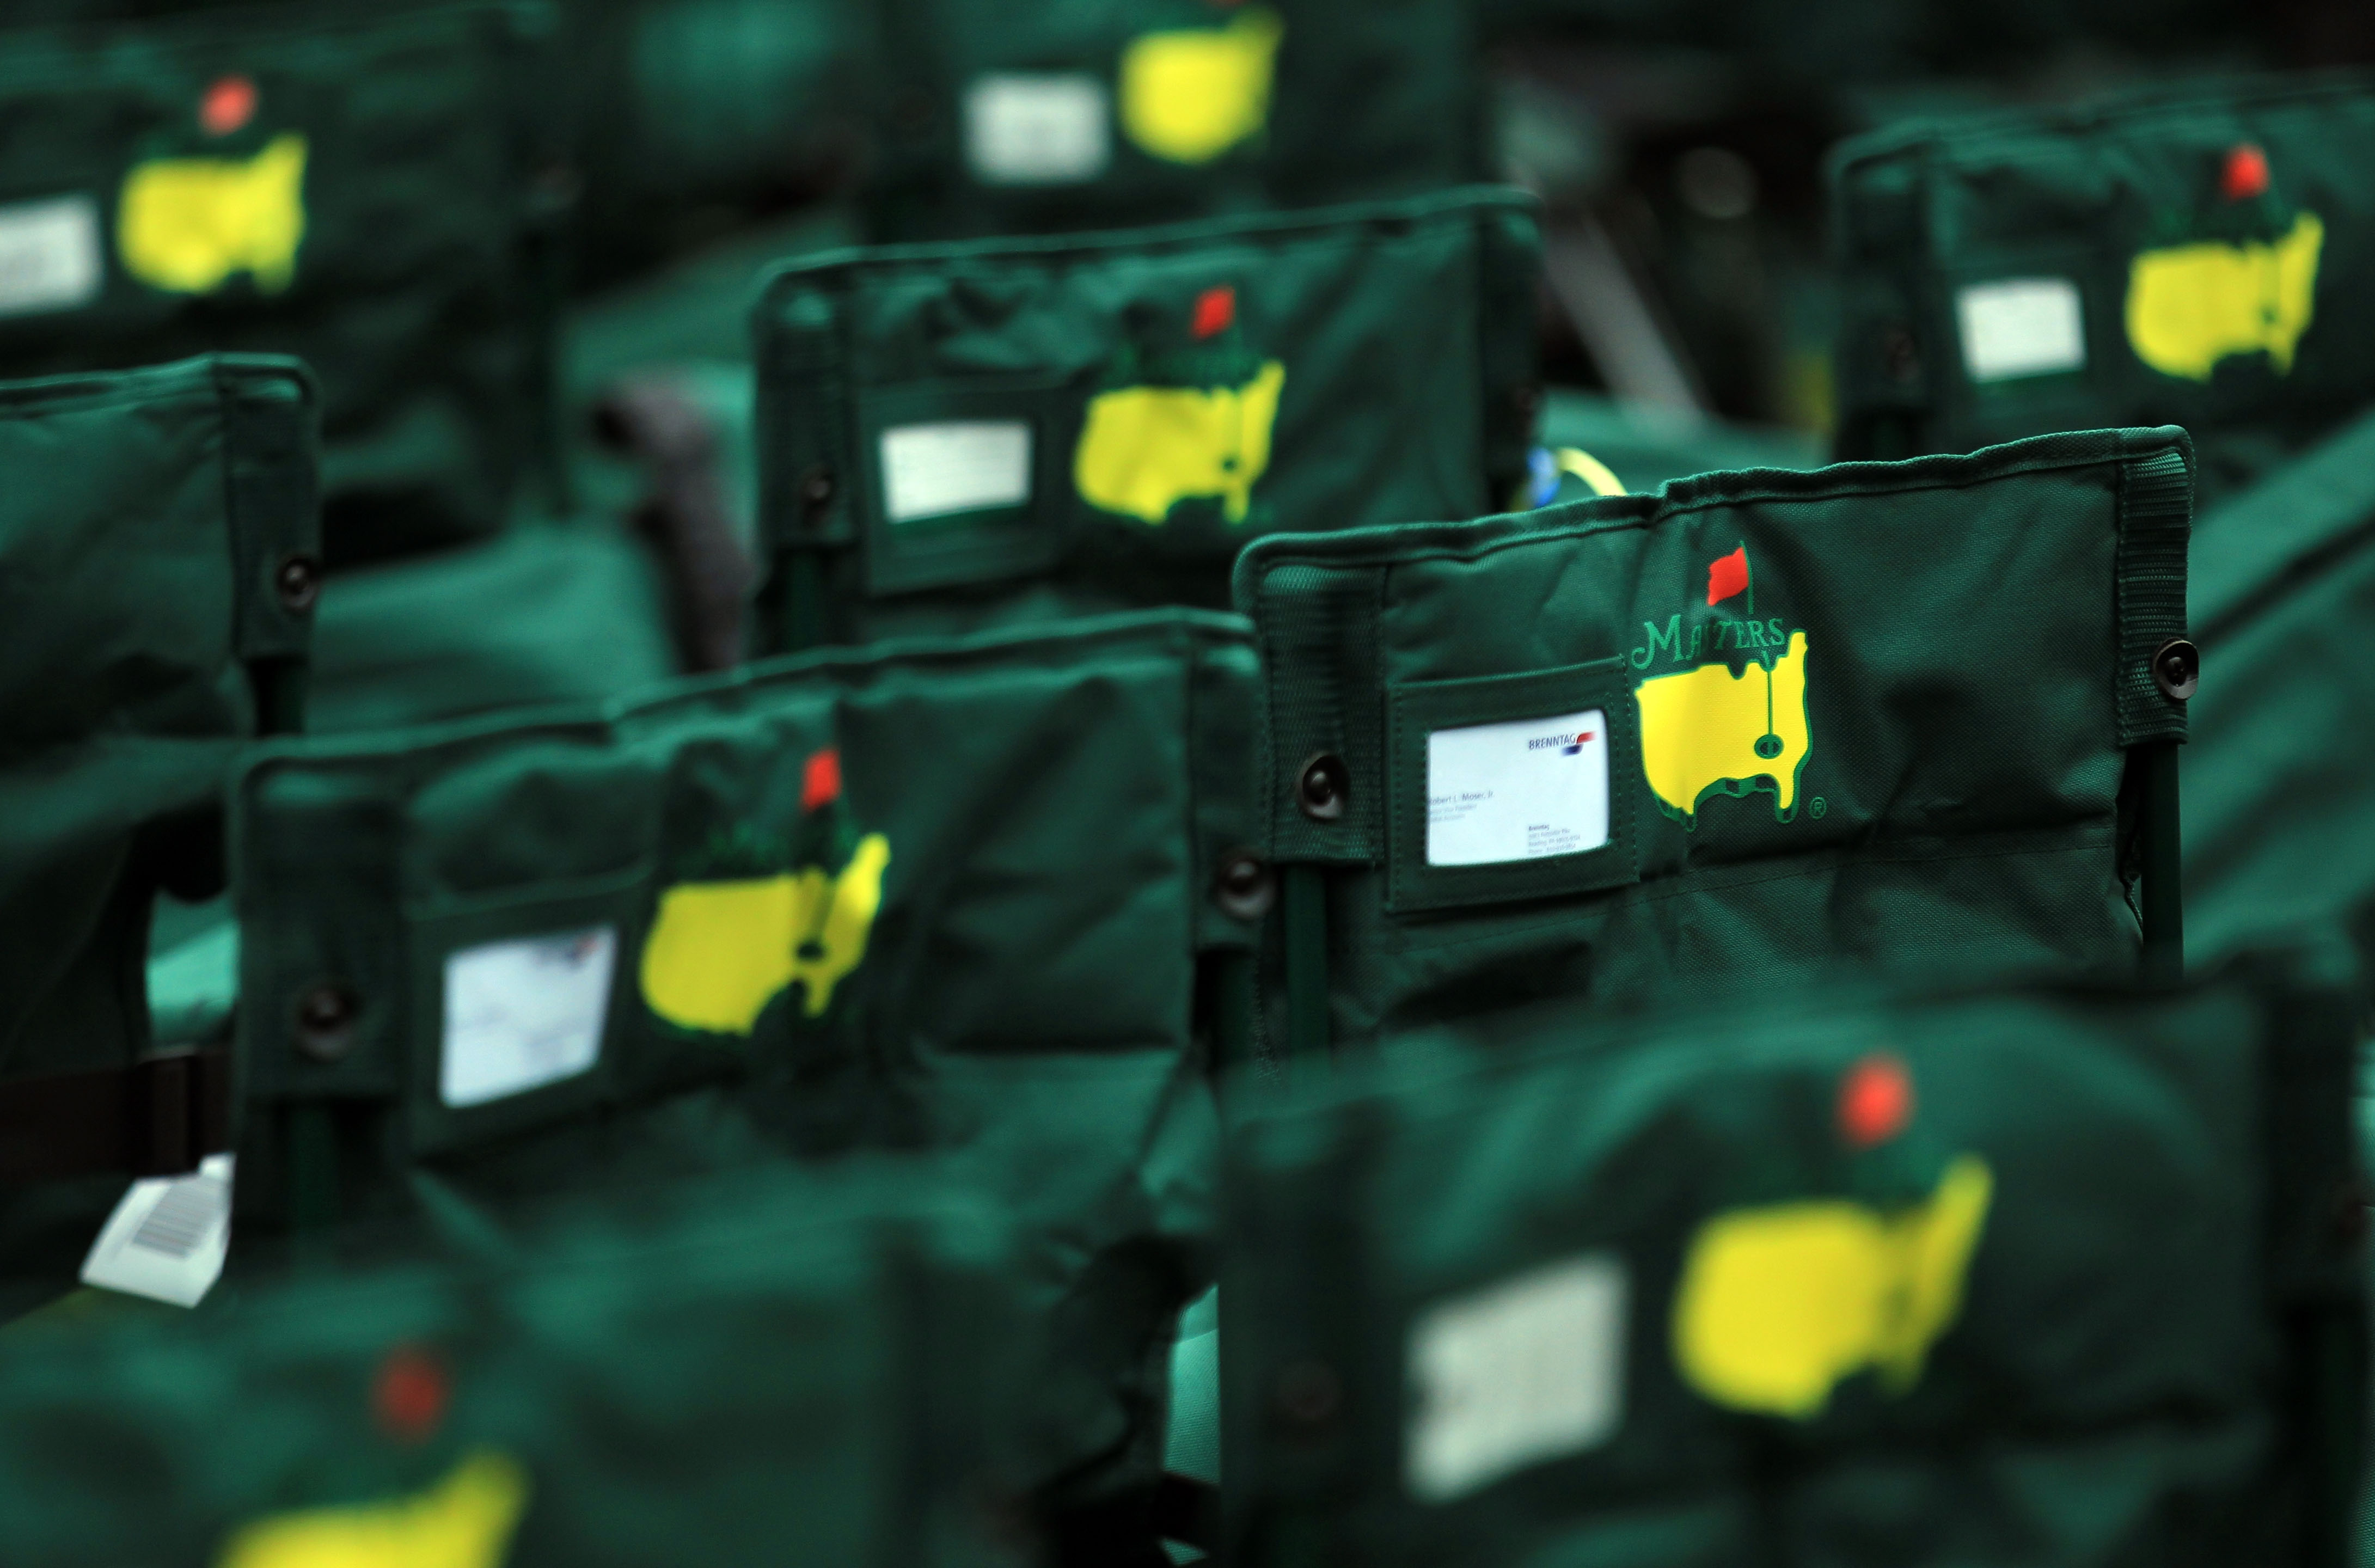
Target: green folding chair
157,570
1751,729
788,1371
1019,118
954,436
359,191
2183,258
2044,1273
990,895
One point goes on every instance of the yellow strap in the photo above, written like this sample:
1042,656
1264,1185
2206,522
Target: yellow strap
1589,469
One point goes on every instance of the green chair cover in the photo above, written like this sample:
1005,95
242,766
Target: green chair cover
354,190
2185,258
1012,117
2047,1273
2280,818
157,576
1747,728
958,435
788,1371
962,894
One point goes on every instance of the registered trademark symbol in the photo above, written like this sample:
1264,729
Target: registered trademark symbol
1817,806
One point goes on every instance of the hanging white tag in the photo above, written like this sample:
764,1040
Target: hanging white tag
1517,791
167,1237
1038,130
1523,1371
50,257
2023,326
524,1013
961,466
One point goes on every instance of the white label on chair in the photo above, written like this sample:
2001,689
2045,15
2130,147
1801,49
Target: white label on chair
965,466
167,1237
1525,1370
2023,326
1517,791
49,255
1037,130
524,1013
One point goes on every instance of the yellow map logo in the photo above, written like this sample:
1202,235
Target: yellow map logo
719,951
1708,729
187,224
1779,1304
465,1521
2190,306
1190,95
1147,448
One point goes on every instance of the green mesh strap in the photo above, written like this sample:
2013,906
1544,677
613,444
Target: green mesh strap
2156,519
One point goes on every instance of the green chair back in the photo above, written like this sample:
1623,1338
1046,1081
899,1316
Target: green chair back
1013,118
794,1371
158,569
1752,727
2049,1272
355,191
990,895
2187,258
959,435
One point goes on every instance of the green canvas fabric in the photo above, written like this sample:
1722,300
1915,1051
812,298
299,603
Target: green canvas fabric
1873,713
959,435
2279,818
2184,258
786,1369
1010,117
537,616
353,190
1641,446
953,894
2048,1273
156,547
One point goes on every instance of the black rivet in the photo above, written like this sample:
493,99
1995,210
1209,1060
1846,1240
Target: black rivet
1244,888
1322,786
298,581
2350,1213
1898,351
326,1022
2177,669
816,487
1307,1394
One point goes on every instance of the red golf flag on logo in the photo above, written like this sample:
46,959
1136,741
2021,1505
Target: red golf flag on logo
1728,575
820,785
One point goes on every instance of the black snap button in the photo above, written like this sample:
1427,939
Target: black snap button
1244,888
1904,360
298,581
1322,787
326,1022
816,487
1307,1395
2177,669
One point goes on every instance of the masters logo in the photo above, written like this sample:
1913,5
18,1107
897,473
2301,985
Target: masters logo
1711,729
1189,423
721,950
2250,290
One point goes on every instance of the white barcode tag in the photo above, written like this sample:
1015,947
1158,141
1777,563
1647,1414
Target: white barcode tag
167,1237
1037,130
1523,790
49,255
962,466
524,1013
1523,1371
2023,326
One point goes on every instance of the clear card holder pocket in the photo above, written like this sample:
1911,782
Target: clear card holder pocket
1513,787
